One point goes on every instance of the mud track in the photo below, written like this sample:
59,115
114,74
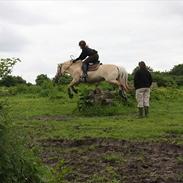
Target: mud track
109,160
51,118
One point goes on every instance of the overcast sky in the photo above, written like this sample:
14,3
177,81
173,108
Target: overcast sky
45,33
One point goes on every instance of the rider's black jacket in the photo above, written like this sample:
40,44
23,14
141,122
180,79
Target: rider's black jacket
142,79
86,52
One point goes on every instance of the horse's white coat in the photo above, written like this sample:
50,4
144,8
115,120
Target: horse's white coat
111,73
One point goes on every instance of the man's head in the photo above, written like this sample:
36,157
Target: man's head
142,64
82,44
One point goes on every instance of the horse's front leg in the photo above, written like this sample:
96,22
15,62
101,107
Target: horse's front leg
71,88
74,90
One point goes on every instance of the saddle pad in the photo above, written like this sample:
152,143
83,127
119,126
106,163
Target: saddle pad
93,67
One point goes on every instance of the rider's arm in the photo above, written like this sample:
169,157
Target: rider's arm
82,56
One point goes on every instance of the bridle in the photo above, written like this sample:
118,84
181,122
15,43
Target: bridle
71,62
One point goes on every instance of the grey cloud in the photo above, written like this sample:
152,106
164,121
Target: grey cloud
13,13
122,32
11,40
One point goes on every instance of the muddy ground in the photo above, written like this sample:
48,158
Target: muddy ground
109,160
50,118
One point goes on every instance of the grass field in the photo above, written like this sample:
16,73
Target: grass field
115,148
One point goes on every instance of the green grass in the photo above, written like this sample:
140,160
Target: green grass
35,117
166,117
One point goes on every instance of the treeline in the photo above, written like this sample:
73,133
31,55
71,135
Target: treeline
172,78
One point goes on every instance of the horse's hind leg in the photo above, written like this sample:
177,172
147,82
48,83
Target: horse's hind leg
121,89
122,93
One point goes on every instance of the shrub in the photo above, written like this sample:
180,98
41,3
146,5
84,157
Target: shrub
12,81
177,70
17,164
163,79
178,80
24,89
107,103
41,79
168,94
65,79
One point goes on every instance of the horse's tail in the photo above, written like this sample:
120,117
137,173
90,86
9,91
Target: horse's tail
123,78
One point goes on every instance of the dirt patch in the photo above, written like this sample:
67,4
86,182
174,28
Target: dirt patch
109,160
51,118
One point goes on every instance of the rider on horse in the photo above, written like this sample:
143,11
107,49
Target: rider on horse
88,55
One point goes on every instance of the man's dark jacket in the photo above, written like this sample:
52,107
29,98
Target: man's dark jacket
142,78
86,52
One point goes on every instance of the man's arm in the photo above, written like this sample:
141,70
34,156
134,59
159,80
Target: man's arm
136,76
150,79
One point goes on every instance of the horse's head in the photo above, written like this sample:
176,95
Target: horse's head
62,68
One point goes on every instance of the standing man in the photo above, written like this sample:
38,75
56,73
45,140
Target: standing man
142,84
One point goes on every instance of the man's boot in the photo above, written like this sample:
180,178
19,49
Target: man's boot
146,108
141,112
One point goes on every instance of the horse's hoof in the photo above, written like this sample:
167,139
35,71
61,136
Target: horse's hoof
75,91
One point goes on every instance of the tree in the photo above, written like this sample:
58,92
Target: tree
65,79
6,66
177,70
41,79
12,81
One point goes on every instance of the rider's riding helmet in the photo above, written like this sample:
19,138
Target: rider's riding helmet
82,44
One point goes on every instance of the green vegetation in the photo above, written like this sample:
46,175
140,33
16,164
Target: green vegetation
166,116
172,78
17,164
81,142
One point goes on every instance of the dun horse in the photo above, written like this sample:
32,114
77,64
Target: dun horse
107,72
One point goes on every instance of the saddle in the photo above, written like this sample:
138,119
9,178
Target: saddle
94,67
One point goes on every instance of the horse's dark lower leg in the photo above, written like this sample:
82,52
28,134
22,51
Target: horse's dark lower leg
70,93
123,95
74,90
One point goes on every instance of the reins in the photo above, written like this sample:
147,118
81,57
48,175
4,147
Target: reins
67,67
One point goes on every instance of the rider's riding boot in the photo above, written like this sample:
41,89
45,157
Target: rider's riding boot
85,69
146,108
141,112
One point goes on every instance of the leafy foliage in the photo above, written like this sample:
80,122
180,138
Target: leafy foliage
177,70
41,79
11,81
6,66
164,79
102,104
65,79
17,165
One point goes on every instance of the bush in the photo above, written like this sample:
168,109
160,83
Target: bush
24,89
178,80
106,103
177,70
164,80
17,164
11,81
65,79
168,94
41,79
